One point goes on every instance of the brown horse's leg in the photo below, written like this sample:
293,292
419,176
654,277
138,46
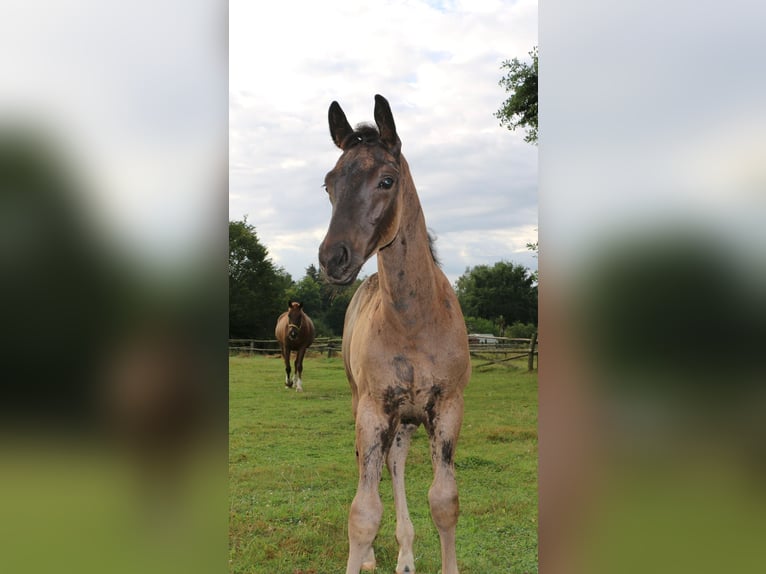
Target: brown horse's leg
443,496
405,532
299,368
286,359
366,508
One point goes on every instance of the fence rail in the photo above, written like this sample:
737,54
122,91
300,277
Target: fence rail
505,349
502,350
329,345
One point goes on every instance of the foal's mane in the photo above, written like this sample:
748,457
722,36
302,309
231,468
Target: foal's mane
364,133
432,248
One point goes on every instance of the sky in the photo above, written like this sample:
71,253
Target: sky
437,63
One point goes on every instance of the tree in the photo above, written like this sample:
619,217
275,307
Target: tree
479,325
520,109
257,288
337,300
504,291
313,272
309,292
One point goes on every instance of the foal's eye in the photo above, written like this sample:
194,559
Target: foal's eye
386,183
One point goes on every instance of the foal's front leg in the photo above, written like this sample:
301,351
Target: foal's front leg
366,509
405,533
443,495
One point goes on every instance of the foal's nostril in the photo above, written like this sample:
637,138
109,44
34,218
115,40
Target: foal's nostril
343,256
336,259
338,262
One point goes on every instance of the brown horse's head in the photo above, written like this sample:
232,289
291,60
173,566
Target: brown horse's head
364,188
294,319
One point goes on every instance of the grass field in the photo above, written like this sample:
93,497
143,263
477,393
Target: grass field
292,474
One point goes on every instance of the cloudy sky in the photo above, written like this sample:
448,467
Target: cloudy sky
438,64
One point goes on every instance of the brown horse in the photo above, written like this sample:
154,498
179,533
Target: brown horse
295,332
405,345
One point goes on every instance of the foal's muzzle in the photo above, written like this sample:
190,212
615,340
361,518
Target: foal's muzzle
336,262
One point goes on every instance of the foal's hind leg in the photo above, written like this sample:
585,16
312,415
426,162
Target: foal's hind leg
443,496
405,533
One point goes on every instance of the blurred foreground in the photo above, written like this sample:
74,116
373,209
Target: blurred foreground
112,243
113,417
652,289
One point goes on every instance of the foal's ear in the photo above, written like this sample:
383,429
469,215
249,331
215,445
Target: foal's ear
339,126
386,126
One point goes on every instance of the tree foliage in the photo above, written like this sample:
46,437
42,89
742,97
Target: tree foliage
504,293
256,286
480,325
325,303
520,109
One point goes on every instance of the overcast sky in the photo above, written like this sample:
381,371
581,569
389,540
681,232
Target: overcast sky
437,63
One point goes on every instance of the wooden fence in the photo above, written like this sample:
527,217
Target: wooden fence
505,349
329,345
502,350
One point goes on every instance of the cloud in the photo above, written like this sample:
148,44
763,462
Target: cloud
438,63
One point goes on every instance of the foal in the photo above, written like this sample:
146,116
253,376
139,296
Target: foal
405,345
294,332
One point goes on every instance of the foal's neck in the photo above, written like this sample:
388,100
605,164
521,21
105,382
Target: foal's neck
407,272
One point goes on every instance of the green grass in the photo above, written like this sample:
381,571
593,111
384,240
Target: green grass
292,474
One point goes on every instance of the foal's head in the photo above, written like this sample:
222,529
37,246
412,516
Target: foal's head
294,319
364,188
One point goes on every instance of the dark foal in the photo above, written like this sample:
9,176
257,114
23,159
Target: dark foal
405,345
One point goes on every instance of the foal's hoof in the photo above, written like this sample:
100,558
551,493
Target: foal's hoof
368,562
289,385
405,568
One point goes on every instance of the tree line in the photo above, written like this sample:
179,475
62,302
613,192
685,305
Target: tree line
500,299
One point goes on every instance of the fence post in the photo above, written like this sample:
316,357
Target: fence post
532,345
251,347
